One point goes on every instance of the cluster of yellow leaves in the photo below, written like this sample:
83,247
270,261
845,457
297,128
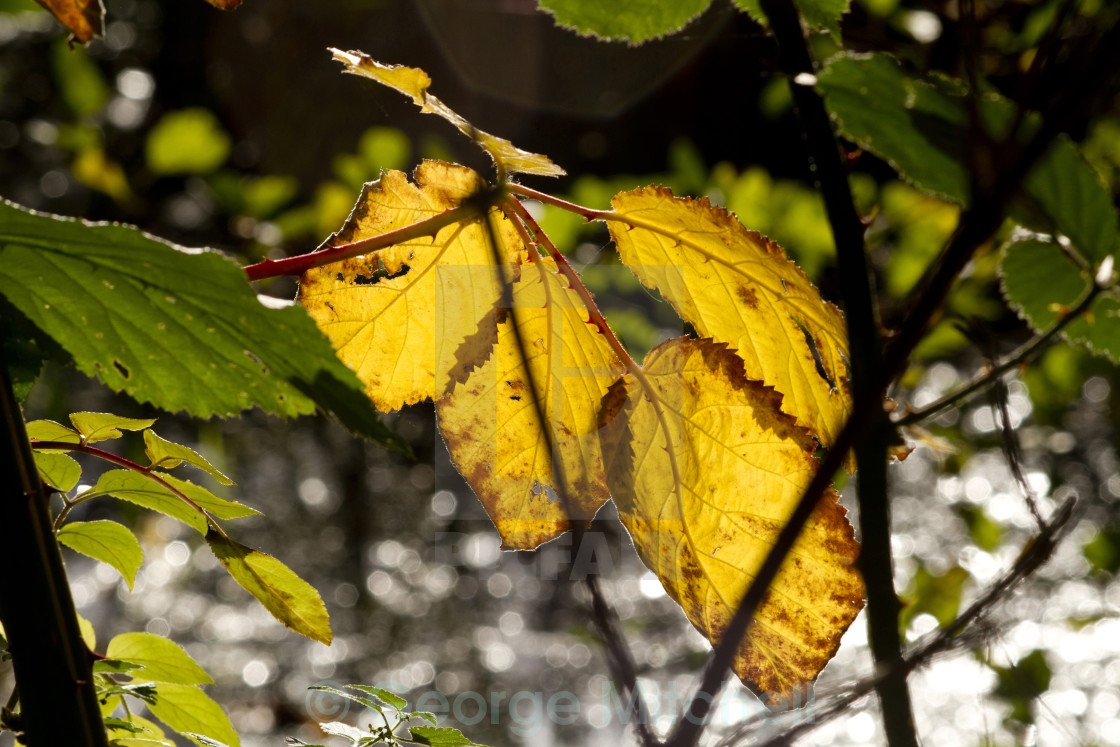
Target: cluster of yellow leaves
705,448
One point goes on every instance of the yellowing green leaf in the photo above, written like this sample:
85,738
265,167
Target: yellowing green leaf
48,430
491,424
149,733
705,470
414,82
161,660
399,316
137,488
167,455
102,426
738,288
106,541
187,709
289,598
89,636
189,141
57,470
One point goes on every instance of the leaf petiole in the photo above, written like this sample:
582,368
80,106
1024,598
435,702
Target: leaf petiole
301,263
129,465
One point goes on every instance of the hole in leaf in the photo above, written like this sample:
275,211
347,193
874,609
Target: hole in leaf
379,274
121,368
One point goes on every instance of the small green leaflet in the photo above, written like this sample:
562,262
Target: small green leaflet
180,328
289,598
158,659
106,541
142,490
48,430
114,666
440,737
57,470
188,710
102,426
166,455
391,699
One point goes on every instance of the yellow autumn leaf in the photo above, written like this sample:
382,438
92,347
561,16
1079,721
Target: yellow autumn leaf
491,425
737,287
414,82
399,316
84,18
705,469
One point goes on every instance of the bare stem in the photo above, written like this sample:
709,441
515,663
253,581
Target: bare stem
548,199
1025,353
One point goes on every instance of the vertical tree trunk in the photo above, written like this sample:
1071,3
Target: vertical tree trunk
58,704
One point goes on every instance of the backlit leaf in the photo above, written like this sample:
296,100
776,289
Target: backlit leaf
705,470
1040,281
289,598
818,14
137,488
440,737
738,288
84,18
634,21
189,141
160,659
167,455
48,430
106,541
136,731
384,696
187,709
414,82
57,470
491,424
399,316
177,327
102,426
920,126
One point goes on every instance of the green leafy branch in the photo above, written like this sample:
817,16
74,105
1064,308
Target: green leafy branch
390,708
290,599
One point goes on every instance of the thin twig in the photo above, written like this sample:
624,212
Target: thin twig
1023,354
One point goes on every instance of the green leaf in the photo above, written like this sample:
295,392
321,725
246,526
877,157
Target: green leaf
938,595
1103,551
205,741
217,507
57,470
920,126
349,696
634,21
89,636
818,14
145,692
102,426
1040,280
912,124
187,709
167,455
189,141
106,541
986,533
160,659
440,736
346,731
140,489
48,430
426,715
391,699
289,598
135,731
80,82
114,666
1022,683
176,327
23,348
1071,194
